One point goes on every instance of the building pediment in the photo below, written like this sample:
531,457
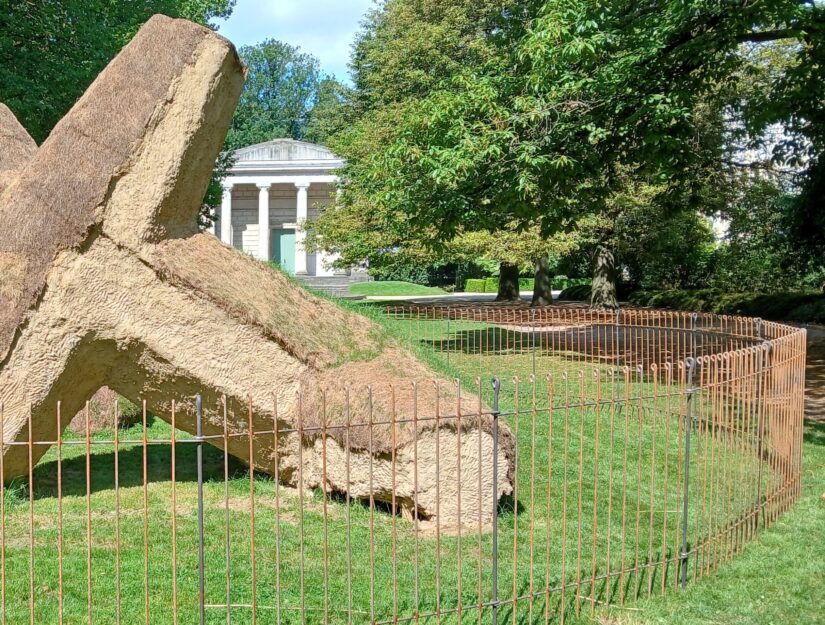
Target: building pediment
286,151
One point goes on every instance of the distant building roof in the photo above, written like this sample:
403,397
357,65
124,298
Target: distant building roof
285,150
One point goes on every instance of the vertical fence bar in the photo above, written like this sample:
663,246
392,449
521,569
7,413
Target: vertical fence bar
449,334
201,554
534,329
683,556
494,559
761,356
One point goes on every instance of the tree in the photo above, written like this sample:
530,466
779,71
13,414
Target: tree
404,51
515,251
51,50
282,87
575,99
329,112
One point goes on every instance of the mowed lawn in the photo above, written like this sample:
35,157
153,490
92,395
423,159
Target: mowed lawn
598,492
779,578
391,288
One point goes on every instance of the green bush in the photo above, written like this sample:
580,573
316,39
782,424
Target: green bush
490,285
789,306
575,293
129,414
475,285
580,291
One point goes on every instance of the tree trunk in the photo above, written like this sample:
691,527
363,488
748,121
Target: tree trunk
508,290
604,280
543,289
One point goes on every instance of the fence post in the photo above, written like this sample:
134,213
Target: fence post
449,334
201,558
496,412
761,355
533,337
689,418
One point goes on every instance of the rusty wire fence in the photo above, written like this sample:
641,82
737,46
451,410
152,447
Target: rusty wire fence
576,459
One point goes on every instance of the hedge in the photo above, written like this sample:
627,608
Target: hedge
788,306
576,293
474,285
490,285
581,292
805,307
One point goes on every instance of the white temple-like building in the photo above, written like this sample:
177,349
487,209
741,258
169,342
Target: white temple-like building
271,190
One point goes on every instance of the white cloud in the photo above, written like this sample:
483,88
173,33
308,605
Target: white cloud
324,28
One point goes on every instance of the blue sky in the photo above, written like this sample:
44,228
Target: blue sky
324,28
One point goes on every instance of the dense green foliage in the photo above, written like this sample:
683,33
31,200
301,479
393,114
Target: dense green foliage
799,306
790,306
283,88
51,50
550,115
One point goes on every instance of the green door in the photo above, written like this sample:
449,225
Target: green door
282,243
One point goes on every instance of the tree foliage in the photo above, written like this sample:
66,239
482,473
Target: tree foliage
282,87
51,50
559,107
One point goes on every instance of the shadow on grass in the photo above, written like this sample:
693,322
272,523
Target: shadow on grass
578,595
130,465
814,432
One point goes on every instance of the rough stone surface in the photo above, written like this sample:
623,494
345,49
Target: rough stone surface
105,281
18,146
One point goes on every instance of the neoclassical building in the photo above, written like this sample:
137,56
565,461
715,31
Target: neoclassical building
271,190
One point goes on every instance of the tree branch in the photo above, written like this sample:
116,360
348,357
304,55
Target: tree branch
770,35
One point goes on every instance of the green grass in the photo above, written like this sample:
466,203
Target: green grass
375,561
779,578
393,288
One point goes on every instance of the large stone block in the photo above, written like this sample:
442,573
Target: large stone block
105,280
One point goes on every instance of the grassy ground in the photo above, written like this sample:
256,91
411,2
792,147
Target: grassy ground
392,288
778,579
615,471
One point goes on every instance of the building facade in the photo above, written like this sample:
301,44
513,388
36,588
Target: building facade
270,192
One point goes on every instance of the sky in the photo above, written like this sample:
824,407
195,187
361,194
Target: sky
323,28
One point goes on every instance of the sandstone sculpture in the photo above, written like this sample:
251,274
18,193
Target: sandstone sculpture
105,280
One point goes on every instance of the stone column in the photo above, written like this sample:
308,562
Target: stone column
263,221
337,271
300,234
226,214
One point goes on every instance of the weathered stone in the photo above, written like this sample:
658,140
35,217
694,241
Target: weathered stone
105,280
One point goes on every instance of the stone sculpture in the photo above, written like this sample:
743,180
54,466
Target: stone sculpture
106,280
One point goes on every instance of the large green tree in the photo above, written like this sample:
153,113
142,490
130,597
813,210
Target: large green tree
577,99
406,51
282,88
51,50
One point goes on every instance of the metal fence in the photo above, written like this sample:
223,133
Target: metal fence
649,448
